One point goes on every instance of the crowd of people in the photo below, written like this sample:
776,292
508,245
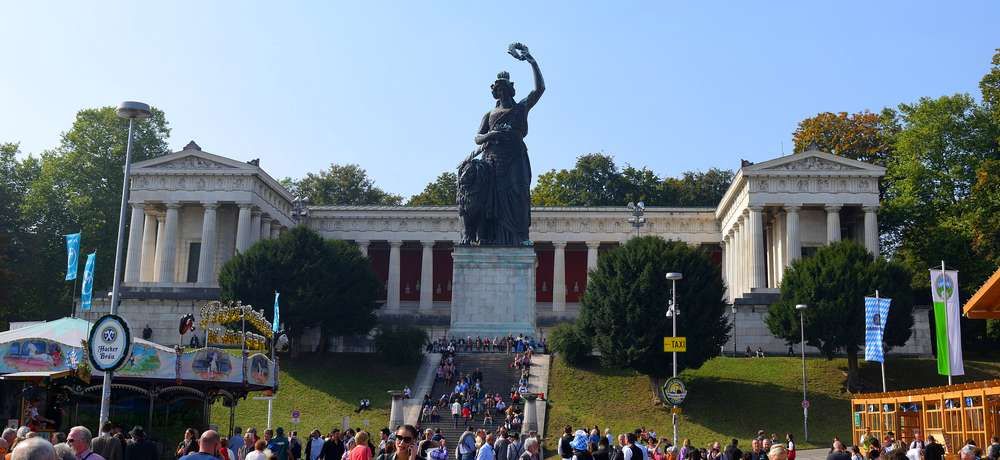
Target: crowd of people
480,344
467,399
890,448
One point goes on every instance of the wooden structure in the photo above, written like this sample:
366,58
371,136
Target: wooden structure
952,414
985,303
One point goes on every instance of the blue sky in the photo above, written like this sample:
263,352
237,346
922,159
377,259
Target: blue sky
400,88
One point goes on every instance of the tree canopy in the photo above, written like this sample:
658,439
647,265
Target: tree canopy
596,180
623,307
342,185
441,192
75,187
326,283
833,283
863,136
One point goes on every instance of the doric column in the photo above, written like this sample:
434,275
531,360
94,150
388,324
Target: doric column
148,247
793,240
265,227
158,259
745,257
133,258
779,241
592,247
559,276
758,275
243,227
275,229
363,246
737,258
392,297
254,227
832,223
725,265
206,259
167,263
769,252
427,275
871,229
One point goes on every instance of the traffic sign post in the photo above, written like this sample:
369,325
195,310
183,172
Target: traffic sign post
295,416
674,344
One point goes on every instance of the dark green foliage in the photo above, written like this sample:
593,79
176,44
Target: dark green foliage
834,283
441,192
400,343
571,343
342,185
322,282
623,309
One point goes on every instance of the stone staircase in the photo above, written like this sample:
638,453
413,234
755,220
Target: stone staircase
498,377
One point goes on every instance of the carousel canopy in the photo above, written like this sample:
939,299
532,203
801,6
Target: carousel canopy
67,331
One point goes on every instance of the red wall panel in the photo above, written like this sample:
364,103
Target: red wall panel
442,274
409,273
379,258
576,274
543,275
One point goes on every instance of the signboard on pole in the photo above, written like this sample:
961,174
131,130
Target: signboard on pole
295,416
674,391
675,344
109,343
805,403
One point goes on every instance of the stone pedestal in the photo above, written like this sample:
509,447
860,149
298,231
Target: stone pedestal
493,291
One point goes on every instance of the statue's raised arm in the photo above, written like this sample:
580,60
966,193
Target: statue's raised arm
520,52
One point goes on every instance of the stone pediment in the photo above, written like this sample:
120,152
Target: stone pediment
192,158
812,162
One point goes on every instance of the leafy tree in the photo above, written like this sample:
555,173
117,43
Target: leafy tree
441,192
929,182
344,185
990,87
569,341
834,283
77,187
863,136
326,283
984,209
623,307
400,343
596,180
16,245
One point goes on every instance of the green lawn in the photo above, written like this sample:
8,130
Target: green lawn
730,397
324,388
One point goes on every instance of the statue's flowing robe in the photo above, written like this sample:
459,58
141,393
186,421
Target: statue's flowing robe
508,204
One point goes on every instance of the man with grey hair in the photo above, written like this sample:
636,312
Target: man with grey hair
967,453
530,449
9,434
33,448
79,439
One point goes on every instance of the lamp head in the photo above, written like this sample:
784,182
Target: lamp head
674,276
801,307
133,109
641,205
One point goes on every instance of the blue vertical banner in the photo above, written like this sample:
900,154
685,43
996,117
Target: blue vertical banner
88,282
72,255
876,312
274,325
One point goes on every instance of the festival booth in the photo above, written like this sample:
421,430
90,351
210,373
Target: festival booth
46,379
952,414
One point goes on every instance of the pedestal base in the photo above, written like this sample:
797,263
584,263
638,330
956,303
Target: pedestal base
493,291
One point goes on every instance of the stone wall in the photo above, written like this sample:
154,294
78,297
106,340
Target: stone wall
162,316
752,330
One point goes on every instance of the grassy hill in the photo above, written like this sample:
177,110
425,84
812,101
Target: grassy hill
732,397
324,388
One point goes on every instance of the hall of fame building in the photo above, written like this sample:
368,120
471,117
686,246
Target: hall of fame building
191,211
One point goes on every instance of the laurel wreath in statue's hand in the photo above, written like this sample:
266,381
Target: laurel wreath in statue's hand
519,51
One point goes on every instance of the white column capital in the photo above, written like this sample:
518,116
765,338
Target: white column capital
210,204
833,207
870,208
139,206
172,205
395,244
364,243
245,205
755,208
792,207
426,243
593,244
559,244
265,218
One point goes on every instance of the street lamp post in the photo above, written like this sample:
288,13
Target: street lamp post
132,111
637,220
805,405
300,209
673,313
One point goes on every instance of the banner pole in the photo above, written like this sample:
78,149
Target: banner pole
956,287
72,299
882,363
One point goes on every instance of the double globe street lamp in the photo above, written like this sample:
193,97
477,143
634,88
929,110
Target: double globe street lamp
805,401
673,313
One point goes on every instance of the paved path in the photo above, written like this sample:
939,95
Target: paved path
812,454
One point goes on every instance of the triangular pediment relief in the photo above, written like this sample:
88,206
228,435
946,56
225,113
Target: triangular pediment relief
192,158
813,161
193,162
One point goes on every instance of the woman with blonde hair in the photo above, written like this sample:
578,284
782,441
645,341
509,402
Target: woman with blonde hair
361,451
777,452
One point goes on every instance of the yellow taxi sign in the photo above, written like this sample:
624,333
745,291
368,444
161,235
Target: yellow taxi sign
678,344
675,410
